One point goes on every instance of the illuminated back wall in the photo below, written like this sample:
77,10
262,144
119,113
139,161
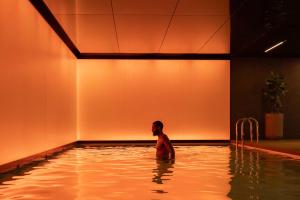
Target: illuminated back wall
119,99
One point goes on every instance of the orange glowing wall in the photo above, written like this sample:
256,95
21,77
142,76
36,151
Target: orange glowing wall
37,84
119,99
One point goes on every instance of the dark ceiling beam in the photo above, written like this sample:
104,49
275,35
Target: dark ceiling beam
271,55
43,9
158,56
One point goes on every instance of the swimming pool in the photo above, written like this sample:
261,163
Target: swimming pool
131,172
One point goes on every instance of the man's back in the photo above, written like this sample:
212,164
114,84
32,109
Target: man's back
164,148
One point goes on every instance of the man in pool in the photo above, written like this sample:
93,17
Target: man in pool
164,148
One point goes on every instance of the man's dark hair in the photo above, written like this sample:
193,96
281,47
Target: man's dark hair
159,124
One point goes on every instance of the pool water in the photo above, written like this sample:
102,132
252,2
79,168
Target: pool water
132,172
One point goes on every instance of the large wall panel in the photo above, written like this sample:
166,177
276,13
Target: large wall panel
119,99
37,84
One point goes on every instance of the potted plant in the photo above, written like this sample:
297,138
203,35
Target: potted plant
274,91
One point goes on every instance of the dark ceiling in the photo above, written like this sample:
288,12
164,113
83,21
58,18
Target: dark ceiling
257,25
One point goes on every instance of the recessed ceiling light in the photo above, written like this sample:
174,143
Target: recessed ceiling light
274,46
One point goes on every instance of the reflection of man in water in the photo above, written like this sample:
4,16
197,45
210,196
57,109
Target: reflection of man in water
164,148
163,169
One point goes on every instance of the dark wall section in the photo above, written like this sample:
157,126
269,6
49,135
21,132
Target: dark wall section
256,25
247,82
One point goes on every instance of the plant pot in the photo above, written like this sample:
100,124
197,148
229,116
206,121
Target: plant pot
273,125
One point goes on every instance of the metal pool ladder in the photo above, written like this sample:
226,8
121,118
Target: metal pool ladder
250,120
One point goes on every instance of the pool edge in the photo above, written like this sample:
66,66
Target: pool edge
29,159
278,151
152,142
6,167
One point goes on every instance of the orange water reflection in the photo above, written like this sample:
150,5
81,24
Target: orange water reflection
200,172
116,172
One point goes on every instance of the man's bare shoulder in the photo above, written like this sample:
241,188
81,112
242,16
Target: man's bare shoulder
165,137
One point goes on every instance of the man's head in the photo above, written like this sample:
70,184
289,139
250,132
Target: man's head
157,127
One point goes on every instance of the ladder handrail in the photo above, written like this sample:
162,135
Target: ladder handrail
257,128
236,130
250,120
